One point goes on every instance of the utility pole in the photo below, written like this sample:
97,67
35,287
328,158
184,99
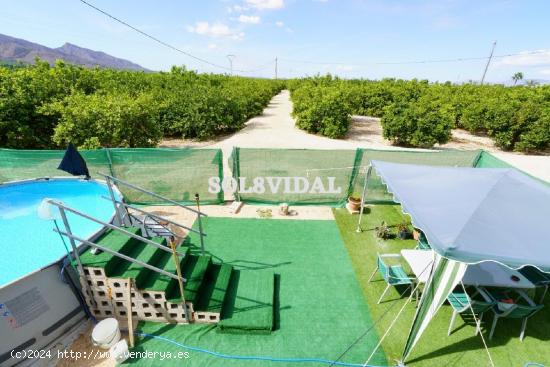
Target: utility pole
488,62
230,58
276,68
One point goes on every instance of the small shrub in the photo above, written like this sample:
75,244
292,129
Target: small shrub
110,120
323,111
419,124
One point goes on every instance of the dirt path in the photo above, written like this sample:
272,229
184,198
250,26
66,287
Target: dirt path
275,128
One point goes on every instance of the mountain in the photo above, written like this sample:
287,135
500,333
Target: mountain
18,50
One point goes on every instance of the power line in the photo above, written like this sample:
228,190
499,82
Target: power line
174,48
429,61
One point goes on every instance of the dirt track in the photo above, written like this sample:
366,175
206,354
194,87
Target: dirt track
275,129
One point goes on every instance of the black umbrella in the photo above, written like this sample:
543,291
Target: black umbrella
73,163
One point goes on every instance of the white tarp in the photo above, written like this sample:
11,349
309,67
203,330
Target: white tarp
475,214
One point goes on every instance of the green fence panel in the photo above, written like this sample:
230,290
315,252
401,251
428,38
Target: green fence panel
487,160
334,169
174,173
27,164
376,190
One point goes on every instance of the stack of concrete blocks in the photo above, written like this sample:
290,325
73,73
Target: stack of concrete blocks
99,301
111,300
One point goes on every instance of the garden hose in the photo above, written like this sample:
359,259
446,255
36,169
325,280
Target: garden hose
253,358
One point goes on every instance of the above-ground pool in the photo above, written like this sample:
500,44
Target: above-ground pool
28,242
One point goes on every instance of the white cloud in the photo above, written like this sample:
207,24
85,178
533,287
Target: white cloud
216,30
239,8
280,24
266,4
321,1
212,46
545,72
249,19
528,58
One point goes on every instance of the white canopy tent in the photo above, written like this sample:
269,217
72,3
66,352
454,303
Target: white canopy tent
469,215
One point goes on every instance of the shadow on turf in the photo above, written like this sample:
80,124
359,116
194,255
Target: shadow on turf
506,330
237,264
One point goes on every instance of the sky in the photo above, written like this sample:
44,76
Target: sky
351,38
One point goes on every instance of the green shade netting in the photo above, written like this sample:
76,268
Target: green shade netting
346,166
376,190
310,164
28,164
174,173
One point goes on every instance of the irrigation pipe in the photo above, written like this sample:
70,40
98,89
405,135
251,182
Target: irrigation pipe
251,358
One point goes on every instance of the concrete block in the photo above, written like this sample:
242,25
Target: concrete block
92,272
156,296
207,317
176,312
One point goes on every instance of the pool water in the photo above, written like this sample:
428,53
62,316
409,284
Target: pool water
28,242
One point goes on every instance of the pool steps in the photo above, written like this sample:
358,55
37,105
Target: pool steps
155,297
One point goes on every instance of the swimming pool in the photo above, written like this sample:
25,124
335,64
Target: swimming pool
28,243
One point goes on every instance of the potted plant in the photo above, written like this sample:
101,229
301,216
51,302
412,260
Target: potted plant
354,203
383,231
403,231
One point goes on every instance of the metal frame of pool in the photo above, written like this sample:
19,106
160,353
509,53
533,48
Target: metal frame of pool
59,309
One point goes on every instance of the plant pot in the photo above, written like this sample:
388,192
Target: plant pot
354,204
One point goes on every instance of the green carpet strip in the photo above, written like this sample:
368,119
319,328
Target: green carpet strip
250,309
143,252
213,292
113,240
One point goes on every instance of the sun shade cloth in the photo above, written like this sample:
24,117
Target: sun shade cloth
73,162
475,214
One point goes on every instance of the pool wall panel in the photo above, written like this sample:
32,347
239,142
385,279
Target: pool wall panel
43,308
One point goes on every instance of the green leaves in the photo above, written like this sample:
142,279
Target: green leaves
419,114
321,110
106,120
46,107
422,123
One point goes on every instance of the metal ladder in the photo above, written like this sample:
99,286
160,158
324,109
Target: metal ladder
128,215
151,224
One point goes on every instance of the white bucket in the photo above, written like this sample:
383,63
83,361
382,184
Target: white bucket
106,333
119,351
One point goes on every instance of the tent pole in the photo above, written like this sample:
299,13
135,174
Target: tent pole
478,327
391,325
363,197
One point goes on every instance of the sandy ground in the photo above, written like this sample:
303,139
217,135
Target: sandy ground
187,218
94,356
275,129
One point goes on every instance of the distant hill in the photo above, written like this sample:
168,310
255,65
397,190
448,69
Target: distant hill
13,50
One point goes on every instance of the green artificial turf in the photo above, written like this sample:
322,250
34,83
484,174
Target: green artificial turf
320,312
253,305
160,282
213,294
143,252
435,348
193,270
113,240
